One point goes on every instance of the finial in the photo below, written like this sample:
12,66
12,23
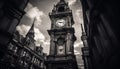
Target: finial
83,32
82,28
62,0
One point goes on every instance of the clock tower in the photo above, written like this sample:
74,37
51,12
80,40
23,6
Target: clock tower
62,37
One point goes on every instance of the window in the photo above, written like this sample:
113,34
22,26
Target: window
33,59
24,53
15,49
10,47
61,41
61,9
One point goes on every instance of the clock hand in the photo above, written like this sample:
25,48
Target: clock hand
60,22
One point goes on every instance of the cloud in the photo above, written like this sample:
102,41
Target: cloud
76,52
78,44
39,37
79,15
34,12
41,40
46,46
71,2
23,29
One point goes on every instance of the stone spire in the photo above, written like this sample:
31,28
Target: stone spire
62,0
31,31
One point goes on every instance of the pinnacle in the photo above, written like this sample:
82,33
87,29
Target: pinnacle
62,0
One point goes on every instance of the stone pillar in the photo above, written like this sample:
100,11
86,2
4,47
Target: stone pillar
52,45
68,43
85,50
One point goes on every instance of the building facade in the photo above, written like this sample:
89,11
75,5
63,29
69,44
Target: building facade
11,12
29,40
21,53
101,20
61,55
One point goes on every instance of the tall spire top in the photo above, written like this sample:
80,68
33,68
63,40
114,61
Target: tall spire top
31,31
61,6
62,0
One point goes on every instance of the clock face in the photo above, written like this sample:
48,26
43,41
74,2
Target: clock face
60,50
60,22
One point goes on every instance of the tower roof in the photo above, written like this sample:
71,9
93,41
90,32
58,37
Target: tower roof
61,6
62,0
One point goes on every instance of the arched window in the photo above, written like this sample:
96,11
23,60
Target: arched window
60,41
61,9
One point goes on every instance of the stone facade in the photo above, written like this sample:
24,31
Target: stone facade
20,55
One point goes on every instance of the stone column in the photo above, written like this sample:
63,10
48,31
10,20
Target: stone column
52,45
68,43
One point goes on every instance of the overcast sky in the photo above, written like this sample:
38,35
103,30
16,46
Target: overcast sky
40,10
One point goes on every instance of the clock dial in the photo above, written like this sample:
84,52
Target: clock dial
60,50
60,22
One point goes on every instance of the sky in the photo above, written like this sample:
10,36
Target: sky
40,10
